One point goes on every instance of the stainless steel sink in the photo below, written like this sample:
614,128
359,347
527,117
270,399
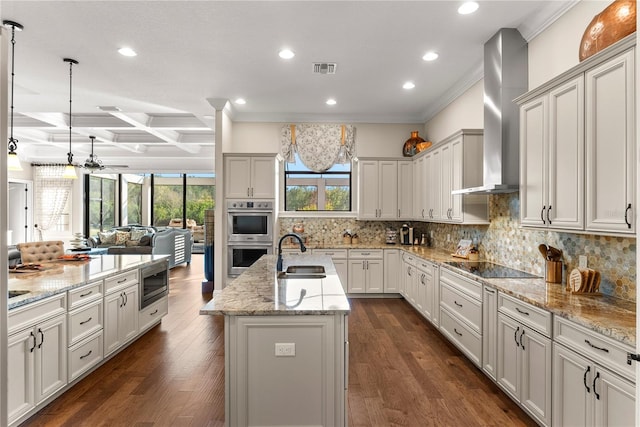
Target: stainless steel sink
13,294
303,272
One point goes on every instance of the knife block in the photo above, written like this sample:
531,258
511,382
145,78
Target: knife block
553,271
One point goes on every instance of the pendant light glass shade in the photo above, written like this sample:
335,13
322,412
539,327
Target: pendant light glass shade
70,169
13,162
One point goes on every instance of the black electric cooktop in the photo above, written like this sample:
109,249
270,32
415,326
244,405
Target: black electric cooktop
488,270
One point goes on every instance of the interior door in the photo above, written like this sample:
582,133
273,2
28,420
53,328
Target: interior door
20,215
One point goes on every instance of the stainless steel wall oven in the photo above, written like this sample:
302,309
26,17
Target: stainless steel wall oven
250,221
242,256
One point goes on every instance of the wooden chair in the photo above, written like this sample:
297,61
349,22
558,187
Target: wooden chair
36,252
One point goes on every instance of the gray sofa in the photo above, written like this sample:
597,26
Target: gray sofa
174,242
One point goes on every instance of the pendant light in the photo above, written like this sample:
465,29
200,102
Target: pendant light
13,162
70,169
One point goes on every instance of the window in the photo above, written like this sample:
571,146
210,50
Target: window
306,190
201,193
167,198
134,203
102,203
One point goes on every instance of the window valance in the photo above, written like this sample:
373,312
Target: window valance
319,146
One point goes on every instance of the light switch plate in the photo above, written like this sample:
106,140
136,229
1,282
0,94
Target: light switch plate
287,349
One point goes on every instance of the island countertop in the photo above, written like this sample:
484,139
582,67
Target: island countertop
61,276
258,292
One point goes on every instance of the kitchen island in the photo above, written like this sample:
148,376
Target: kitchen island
286,348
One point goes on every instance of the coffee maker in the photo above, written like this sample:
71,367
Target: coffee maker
405,238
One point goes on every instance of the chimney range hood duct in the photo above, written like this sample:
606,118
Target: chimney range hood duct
505,78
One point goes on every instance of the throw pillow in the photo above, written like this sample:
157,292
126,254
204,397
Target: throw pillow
130,243
136,234
145,240
107,237
122,237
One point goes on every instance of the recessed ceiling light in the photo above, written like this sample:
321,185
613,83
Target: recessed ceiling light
468,7
331,101
286,54
408,85
127,51
430,56
241,101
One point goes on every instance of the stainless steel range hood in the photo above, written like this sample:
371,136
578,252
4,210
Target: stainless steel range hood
505,78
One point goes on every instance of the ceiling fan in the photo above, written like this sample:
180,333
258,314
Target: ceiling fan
93,164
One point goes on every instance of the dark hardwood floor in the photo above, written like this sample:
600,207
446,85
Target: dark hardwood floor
401,373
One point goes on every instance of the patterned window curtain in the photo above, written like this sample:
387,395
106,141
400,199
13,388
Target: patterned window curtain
319,146
51,194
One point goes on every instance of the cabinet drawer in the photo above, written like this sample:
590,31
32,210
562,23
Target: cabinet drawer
152,314
408,258
84,355
120,280
424,265
468,341
462,306
333,253
30,314
85,294
84,321
366,254
456,281
603,350
534,317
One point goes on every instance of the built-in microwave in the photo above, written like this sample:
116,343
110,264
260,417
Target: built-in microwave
250,221
241,256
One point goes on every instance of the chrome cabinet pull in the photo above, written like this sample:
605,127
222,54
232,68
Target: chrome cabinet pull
86,355
86,321
522,312
606,350
584,379
626,218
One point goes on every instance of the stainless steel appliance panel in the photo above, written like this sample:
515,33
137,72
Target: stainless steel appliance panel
242,256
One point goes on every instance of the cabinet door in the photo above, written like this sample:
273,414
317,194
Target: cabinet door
614,400
128,315
489,331
533,164
392,272
419,189
610,146
388,193
572,382
374,269
421,290
112,303
446,183
405,189
342,268
428,302
51,357
357,277
263,178
565,202
535,394
237,177
509,359
20,372
368,189
457,174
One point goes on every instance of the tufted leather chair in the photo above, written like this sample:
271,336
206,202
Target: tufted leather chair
40,251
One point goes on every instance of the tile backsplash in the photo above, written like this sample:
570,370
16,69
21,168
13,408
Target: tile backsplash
502,241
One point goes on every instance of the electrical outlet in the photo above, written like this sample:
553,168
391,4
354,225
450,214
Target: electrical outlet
287,349
582,261
448,237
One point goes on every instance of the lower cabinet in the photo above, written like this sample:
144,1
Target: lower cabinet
120,317
339,258
153,313
489,331
37,365
523,368
392,276
366,271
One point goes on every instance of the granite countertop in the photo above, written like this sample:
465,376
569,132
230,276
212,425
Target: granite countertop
258,292
610,316
60,276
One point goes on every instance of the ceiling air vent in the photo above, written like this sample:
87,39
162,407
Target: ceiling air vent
324,67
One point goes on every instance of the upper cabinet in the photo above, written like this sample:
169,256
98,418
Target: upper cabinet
577,147
252,177
452,164
385,189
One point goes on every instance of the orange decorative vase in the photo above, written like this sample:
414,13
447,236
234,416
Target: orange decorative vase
414,145
614,23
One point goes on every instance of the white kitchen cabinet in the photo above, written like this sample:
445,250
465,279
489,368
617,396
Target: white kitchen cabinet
392,271
420,188
427,293
385,189
366,271
251,177
340,262
552,158
37,365
409,278
120,317
523,368
611,145
433,188
489,331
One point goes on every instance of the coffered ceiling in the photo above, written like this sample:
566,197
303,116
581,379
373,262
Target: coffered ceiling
151,111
